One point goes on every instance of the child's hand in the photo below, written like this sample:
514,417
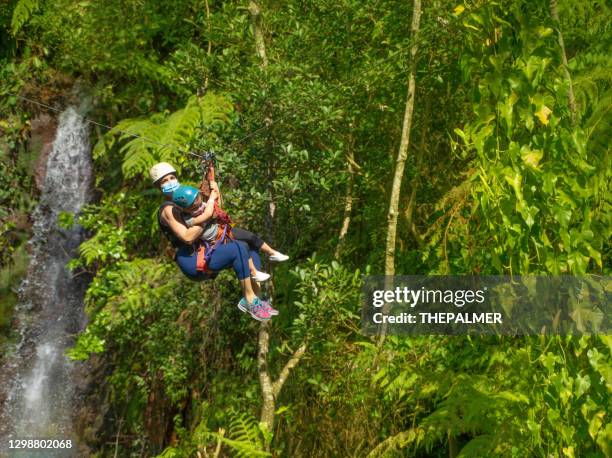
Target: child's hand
214,186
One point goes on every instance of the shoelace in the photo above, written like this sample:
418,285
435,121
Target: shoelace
258,307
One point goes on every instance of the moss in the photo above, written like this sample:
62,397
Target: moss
10,279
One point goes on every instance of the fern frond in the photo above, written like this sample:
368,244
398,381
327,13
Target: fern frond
91,251
396,442
22,13
243,427
161,138
592,79
215,110
142,137
178,130
600,115
245,437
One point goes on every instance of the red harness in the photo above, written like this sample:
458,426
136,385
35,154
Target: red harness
206,249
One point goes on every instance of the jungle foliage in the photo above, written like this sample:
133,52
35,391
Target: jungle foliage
504,176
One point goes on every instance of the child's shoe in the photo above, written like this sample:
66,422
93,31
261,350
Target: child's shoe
278,257
260,276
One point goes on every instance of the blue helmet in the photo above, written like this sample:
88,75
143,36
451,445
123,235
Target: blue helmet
185,196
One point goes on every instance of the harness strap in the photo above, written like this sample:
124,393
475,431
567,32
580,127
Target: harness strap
206,250
201,259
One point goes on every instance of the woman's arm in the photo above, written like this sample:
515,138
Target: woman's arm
187,235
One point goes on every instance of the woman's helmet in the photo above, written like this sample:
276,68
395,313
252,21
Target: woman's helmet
185,196
160,170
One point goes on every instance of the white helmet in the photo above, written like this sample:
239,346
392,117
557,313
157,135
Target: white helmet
158,171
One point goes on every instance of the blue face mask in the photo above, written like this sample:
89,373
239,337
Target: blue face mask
170,187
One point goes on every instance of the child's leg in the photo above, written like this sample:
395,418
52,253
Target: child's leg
252,268
267,249
255,261
254,244
253,240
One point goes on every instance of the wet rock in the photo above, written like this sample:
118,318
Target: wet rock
42,136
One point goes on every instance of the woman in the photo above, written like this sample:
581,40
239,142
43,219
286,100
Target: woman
232,254
164,177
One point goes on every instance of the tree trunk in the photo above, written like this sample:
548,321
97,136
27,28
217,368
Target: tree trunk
265,381
269,389
403,150
409,214
209,48
571,100
260,44
260,48
348,202
452,446
400,163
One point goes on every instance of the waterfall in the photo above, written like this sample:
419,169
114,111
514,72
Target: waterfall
37,376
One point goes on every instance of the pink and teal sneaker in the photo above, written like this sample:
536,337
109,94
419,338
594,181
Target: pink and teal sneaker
258,309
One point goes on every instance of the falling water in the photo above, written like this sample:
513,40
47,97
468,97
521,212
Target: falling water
38,376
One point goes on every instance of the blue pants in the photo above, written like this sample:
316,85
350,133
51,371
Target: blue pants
231,254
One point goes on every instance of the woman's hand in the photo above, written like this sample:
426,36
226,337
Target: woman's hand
208,211
214,187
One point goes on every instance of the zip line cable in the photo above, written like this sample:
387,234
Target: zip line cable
249,135
103,125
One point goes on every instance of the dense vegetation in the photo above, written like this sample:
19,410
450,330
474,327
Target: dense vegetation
507,171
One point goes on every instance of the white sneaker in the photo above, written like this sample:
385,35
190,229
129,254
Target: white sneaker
278,257
260,276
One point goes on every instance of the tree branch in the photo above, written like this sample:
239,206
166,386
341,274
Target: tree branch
348,203
293,361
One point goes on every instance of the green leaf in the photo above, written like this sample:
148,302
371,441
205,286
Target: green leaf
596,423
582,385
562,215
531,158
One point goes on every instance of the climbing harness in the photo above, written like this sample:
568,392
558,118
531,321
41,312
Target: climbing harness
206,250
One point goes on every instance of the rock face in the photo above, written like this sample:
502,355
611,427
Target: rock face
42,135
